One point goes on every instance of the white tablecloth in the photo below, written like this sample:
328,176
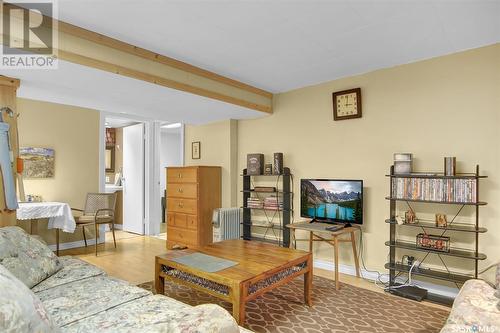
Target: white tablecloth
58,213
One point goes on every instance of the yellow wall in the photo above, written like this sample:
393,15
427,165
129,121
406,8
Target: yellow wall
218,148
74,134
446,106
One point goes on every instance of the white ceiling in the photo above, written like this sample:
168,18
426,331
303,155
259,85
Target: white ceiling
280,45
95,89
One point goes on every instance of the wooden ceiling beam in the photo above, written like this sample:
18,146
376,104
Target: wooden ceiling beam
91,49
146,54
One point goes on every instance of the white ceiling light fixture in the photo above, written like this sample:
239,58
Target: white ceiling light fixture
174,125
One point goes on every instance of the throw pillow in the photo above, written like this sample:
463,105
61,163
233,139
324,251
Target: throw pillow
26,257
21,311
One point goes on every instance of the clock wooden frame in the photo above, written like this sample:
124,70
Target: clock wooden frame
358,103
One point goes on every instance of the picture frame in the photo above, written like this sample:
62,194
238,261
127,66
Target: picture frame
38,162
196,150
441,220
410,217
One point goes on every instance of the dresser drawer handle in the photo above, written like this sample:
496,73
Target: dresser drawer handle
180,175
181,204
180,190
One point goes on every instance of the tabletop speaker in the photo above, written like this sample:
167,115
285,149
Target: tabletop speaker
278,163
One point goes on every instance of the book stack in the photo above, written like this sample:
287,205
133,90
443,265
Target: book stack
435,189
272,203
264,189
254,203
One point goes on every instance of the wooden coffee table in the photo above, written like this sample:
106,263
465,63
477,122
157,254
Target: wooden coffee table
261,267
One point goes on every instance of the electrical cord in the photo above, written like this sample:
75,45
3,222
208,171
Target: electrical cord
378,281
361,256
409,283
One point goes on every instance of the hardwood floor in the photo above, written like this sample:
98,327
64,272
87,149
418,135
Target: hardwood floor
134,260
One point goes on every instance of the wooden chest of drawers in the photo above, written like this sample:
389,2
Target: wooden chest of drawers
192,195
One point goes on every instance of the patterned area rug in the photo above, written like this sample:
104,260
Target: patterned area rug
351,309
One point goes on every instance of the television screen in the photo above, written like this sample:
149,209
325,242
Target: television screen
332,200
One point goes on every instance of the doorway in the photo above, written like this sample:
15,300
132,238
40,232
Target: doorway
133,178
124,171
142,184
171,154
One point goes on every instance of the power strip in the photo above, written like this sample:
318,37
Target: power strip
411,292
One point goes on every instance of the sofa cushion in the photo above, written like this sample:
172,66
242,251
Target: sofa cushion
74,269
474,306
25,257
20,310
155,314
74,301
209,318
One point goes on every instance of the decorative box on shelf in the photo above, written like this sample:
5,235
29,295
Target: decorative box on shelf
403,163
433,242
255,164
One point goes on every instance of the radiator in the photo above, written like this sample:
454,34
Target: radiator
226,224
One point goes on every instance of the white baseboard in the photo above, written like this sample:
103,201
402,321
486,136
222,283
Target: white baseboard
117,227
76,244
350,270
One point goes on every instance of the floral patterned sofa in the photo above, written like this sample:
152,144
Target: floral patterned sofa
476,308
40,292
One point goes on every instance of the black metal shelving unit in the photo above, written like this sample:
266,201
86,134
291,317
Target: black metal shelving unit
284,192
468,255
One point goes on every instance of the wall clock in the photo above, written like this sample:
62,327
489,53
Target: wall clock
347,104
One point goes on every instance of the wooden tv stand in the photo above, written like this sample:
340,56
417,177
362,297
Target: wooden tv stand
315,229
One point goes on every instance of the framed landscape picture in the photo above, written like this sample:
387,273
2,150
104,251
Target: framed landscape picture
196,150
38,162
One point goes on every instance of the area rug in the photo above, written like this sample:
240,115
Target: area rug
351,309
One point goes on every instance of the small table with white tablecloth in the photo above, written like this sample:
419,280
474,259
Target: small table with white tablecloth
59,215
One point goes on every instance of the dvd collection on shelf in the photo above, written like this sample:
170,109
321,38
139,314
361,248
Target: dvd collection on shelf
434,189
270,203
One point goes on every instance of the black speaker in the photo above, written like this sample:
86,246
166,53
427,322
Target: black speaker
278,164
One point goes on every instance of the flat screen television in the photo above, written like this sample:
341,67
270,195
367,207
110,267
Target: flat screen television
332,200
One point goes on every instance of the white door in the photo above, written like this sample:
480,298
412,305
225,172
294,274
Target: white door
133,174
